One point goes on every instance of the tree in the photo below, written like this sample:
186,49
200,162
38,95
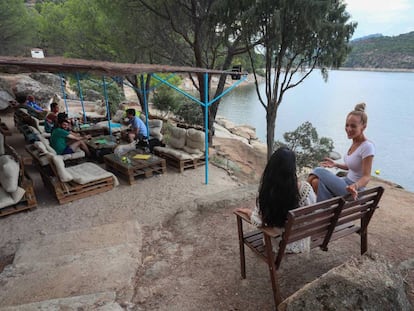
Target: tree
204,34
296,37
17,27
308,147
98,29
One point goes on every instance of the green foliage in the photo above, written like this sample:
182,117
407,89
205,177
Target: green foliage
296,36
17,28
305,142
165,99
383,52
190,113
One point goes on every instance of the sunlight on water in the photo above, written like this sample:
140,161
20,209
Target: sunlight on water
390,108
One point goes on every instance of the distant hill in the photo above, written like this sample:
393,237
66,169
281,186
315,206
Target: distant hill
376,51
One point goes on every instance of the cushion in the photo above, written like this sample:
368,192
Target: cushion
41,147
177,137
63,174
176,153
87,172
195,141
9,174
5,198
47,145
1,144
18,194
155,127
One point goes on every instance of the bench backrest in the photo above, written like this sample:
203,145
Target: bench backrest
316,220
330,220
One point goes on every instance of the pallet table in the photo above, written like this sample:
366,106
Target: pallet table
130,167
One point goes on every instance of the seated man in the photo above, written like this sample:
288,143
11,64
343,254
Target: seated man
30,102
139,130
65,142
51,119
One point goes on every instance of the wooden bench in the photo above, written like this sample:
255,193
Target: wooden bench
321,222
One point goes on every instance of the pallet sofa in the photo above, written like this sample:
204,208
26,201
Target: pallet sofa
70,183
16,187
322,223
185,148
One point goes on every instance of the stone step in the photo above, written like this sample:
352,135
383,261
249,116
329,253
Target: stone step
47,247
98,259
94,302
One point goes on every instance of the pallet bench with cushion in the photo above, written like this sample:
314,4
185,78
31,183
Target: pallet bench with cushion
74,182
185,149
16,187
322,222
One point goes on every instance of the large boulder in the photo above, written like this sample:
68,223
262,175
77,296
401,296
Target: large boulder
49,79
25,85
367,283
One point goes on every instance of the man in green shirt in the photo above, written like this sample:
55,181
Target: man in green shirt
65,142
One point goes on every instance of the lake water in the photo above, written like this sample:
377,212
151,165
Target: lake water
390,109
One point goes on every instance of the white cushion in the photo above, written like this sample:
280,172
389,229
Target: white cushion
47,145
155,127
87,172
177,137
63,174
41,147
9,173
176,153
18,194
5,198
195,141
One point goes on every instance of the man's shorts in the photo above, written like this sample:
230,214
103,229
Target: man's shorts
68,150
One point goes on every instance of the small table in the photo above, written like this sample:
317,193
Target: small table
129,166
101,145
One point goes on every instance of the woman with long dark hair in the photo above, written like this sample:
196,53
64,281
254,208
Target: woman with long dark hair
280,192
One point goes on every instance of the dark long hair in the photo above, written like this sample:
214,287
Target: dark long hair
278,191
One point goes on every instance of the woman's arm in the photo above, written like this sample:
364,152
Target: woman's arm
364,180
328,162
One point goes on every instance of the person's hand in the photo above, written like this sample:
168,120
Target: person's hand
328,162
353,190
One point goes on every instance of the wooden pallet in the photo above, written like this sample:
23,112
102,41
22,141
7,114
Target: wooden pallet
136,168
179,164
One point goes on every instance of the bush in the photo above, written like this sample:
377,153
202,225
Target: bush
190,113
309,148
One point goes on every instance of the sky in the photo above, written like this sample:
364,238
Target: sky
388,17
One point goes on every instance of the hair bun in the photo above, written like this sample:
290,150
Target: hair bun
360,107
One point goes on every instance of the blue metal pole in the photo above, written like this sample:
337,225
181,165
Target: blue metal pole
81,97
144,94
62,86
206,105
108,114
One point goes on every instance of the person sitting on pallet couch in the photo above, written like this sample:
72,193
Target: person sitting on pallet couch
65,142
51,120
280,192
30,102
138,128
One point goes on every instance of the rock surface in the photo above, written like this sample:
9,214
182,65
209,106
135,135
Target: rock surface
367,283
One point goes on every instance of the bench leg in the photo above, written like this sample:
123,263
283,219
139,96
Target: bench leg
364,236
241,248
272,270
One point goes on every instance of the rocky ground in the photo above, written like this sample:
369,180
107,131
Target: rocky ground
189,257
